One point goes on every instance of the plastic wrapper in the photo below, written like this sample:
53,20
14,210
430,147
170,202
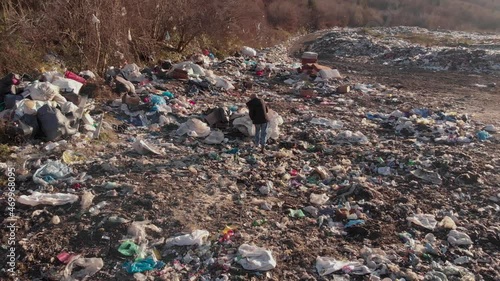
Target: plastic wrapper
197,237
194,127
55,199
255,258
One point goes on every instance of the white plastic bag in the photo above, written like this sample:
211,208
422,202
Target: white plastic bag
144,148
197,237
42,91
245,125
68,107
327,74
194,127
275,120
215,137
55,199
457,238
223,83
87,73
248,52
424,220
318,199
137,230
90,267
68,85
132,73
192,68
334,124
255,258
328,265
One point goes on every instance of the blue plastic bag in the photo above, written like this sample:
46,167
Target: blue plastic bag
145,264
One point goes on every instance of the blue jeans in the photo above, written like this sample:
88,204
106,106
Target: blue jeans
260,134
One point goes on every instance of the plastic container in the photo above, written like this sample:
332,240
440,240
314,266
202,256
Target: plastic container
74,76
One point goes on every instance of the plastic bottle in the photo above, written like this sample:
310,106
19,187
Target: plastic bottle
95,210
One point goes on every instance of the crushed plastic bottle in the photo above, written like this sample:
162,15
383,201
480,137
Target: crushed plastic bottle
95,210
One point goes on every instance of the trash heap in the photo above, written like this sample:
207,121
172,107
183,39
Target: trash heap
358,181
466,52
48,108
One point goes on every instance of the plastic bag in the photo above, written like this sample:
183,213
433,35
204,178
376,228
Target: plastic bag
327,74
128,248
255,258
87,74
275,120
192,68
90,267
428,176
68,85
27,106
223,83
132,73
350,137
248,52
55,199
318,199
334,124
142,265
457,238
67,107
197,237
42,91
51,172
194,127
86,201
145,148
124,86
245,125
424,220
53,123
328,265
137,230
215,137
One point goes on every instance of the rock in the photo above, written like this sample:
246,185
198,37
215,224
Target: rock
264,190
311,210
447,223
462,260
490,128
55,220
266,206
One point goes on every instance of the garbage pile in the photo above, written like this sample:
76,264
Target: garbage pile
49,108
357,181
389,46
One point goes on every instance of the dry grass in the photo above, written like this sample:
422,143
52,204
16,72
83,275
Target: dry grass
69,29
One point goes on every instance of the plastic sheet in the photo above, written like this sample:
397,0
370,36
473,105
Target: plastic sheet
55,199
215,137
334,124
90,267
424,220
197,237
194,127
255,258
51,172
328,265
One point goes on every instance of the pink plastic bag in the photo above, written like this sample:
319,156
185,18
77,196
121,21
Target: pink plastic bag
70,75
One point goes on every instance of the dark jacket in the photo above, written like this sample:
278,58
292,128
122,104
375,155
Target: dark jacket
258,111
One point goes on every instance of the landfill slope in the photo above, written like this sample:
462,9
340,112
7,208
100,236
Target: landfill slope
395,178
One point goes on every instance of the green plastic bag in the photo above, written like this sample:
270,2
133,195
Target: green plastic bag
128,248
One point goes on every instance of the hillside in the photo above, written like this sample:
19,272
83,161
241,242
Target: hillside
93,34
